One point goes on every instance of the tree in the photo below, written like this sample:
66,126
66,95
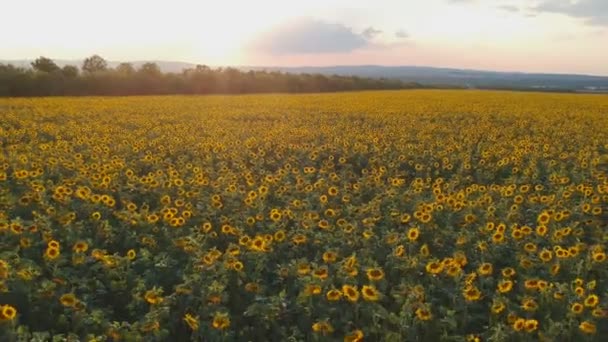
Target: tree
151,69
43,64
70,71
94,64
125,69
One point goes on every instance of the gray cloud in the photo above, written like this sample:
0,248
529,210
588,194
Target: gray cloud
370,33
402,34
309,36
595,12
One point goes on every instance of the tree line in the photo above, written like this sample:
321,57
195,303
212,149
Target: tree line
95,77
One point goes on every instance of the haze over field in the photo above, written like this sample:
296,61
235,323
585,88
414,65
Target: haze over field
556,36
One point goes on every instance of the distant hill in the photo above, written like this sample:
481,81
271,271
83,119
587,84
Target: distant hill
463,77
431,76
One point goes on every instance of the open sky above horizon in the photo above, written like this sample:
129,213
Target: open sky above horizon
561,36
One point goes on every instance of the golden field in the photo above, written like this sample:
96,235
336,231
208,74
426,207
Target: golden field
377,216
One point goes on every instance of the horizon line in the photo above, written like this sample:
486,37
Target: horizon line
600,75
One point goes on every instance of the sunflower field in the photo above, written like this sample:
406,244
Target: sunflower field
427,215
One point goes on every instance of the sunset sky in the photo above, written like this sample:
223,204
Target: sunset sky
511,35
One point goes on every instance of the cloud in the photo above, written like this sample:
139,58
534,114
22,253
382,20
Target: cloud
311,36
402,34
509,8
595,12
370,33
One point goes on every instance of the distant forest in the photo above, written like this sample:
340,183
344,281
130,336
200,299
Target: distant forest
94,77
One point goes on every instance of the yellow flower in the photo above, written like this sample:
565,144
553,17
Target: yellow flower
423,314
322,327
7,312
333,295
485,269
519,324
221,321
80,247
52,253
576,308
498,307
192,321
354,336
312,289
587,327
153,297
471,293
350,292
591,301
505,286
68,300
375,274
434,267
413,234
131,254
370,293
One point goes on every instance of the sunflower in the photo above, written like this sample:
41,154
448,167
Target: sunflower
370,293
471,293
531,284
599,313
191,321
312,289
7,313
221,321
424,250
375,274
505,286
279,235
498,238
350,293
330,257
529,304
519,324
530,325
587,327
299,239
413,234
80,247
508,272
591,301
333,295
485,269
303,269
354,336
497,307
576,308
131,254
323,328
52,253
541,230
599,256
543,218
399,251
321,273
153,297
424,314
68,300
434,267
237,266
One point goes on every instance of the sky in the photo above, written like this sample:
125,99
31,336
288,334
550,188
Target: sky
560,36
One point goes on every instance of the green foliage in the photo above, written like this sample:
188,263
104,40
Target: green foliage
47,79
